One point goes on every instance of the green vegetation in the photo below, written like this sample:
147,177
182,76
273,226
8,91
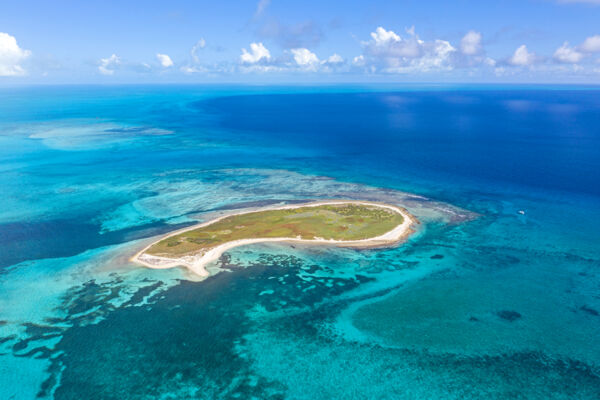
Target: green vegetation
332,221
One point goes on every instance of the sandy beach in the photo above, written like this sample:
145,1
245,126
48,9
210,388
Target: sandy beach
197,263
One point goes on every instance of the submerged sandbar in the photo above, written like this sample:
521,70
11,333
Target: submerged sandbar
339,223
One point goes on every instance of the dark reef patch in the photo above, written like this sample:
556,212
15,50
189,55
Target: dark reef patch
508,315
590,310
161,340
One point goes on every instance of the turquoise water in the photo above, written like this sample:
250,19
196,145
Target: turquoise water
482,302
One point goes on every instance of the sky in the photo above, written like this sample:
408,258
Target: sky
309,41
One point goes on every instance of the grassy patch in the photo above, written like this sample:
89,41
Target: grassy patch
331,221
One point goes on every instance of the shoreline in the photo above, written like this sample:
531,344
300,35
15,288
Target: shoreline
196,263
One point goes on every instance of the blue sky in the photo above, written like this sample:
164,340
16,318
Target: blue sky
555,41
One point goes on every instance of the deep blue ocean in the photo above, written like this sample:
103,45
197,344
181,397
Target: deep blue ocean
496,296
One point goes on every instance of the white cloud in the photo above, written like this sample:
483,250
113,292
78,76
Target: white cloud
591,44
257,53
471,54
388,43
470,44
383,37
200,44
164,60
490,62
384,51
11,56
188,69
108,65
389,52
142,67
261,6
333,63
304,57
500,71
359,61
334,59
258,59
435,56
299,59
568,55
522,57
262,68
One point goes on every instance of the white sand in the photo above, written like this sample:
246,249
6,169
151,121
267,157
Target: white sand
197,263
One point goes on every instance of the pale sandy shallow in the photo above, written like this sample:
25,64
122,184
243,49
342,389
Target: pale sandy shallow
197,263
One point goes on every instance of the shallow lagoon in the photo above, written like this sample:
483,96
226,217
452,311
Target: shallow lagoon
482,302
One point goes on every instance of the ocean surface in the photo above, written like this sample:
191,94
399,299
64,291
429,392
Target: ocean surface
495,296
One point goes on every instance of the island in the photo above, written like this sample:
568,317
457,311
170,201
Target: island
348,223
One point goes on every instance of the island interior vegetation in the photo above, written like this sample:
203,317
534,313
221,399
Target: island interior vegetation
342,222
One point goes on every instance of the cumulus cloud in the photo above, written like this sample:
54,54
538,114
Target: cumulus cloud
334,62
11,56
258,59
164,60
522,57
108,65
382,37
471,53
257,53
359,61
568,55
305,58
470,44
334,59
299,59
387,51
389,44
591,44
384,51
